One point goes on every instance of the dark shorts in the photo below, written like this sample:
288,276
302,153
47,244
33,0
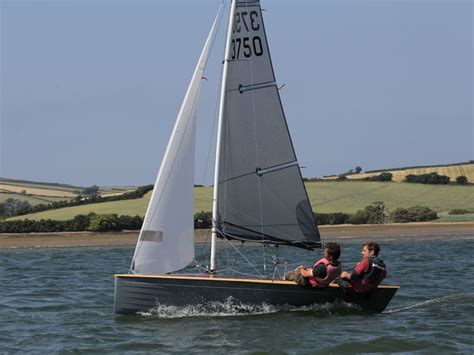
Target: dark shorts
351,291
296,276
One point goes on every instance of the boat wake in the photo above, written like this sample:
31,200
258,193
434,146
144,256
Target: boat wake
232,308
337,308
211,309
444,299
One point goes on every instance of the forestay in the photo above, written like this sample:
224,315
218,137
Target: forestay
261,194
166,241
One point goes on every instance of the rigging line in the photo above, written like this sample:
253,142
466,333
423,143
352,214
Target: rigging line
204,247
216,110
243,273
235,259
227,254
242,255
229,266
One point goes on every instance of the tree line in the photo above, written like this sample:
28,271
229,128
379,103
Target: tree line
435,179
92,222
430,178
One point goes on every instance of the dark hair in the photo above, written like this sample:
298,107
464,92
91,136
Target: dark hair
334,250
372,246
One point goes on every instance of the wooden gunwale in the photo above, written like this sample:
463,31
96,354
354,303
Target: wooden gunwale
226,279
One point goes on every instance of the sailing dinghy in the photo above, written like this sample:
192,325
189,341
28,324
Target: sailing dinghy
259,195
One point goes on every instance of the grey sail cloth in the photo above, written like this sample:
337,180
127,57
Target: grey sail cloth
261,197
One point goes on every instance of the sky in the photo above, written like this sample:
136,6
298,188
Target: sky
90,90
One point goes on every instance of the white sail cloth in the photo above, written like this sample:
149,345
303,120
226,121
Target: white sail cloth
166,241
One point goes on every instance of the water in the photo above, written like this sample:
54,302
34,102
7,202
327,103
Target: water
61,300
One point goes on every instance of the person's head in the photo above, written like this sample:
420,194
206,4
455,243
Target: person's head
370,248
332,251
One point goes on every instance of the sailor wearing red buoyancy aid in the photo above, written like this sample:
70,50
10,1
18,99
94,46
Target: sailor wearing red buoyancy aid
369,272
333,270
326,269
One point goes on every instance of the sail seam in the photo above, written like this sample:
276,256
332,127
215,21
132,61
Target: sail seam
245,5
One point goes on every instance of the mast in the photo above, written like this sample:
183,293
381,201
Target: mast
219,135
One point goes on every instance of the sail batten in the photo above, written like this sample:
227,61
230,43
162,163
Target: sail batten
261,194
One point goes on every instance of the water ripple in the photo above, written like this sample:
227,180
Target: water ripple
61,300
434,302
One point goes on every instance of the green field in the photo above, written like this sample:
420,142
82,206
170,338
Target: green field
36,193
41,185
445,217
32,200
327,196
398,175
354,195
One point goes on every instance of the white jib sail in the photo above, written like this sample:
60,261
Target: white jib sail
166,241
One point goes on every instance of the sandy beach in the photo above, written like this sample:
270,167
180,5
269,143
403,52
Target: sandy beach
76,239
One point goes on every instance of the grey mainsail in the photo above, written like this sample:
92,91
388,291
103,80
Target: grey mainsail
261,195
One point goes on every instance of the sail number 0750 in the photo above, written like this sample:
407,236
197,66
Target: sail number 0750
246,47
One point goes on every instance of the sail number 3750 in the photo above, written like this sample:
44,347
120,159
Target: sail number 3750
248,46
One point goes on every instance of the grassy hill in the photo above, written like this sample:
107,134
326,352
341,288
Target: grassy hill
325,196
36,193
42,192
452,170
351,196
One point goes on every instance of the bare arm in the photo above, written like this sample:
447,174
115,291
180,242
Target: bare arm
306,272
345,275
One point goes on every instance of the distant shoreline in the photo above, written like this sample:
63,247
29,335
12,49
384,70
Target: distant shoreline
129,238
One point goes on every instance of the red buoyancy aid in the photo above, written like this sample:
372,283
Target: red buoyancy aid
378,271
332,273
